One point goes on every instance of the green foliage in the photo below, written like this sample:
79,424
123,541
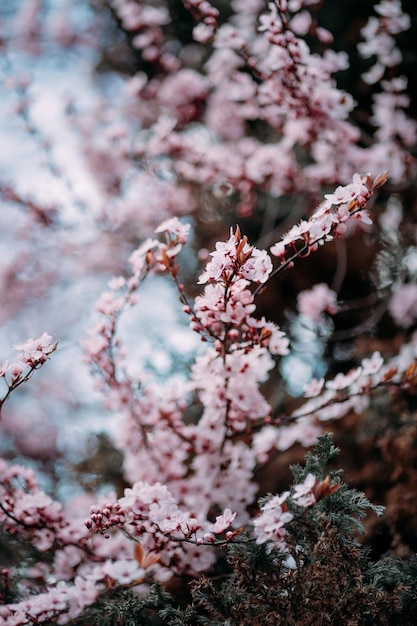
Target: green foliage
317,462
125,608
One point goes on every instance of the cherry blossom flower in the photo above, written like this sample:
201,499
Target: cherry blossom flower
223,522
173,225
301,22
270,525
223,259
36,351
373,364
257,267
379,40
271,22
342,381
124,571
275,339
303,493
313,302
203,33
313,388
403,305
356,190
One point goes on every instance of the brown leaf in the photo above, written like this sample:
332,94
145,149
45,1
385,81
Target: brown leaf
380,180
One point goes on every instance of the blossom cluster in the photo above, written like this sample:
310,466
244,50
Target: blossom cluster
149,514
33,353
275,515
256,120
224,309
379,41
297,97
346,393
162,538
26,511
279,511
330,220
177,468
193,121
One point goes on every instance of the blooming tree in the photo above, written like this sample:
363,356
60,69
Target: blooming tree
244,112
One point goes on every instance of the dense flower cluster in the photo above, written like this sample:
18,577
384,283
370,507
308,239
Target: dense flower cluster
255,120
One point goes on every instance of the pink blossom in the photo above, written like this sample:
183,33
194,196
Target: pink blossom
403,305
174,226
391,218
171,520
30,506
223,522
94,345
374,74
379,34
271,22
182,89
36,351
236,256
222,260
357,190
257,267
124,571
304,430
43,539
296,5
342,381
324,35
228,37
236,312
303,492
397,20
264,442
301,22
277,343
203,33
270,525
313,388
139,257
313,302
255,116
109,303
372,365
